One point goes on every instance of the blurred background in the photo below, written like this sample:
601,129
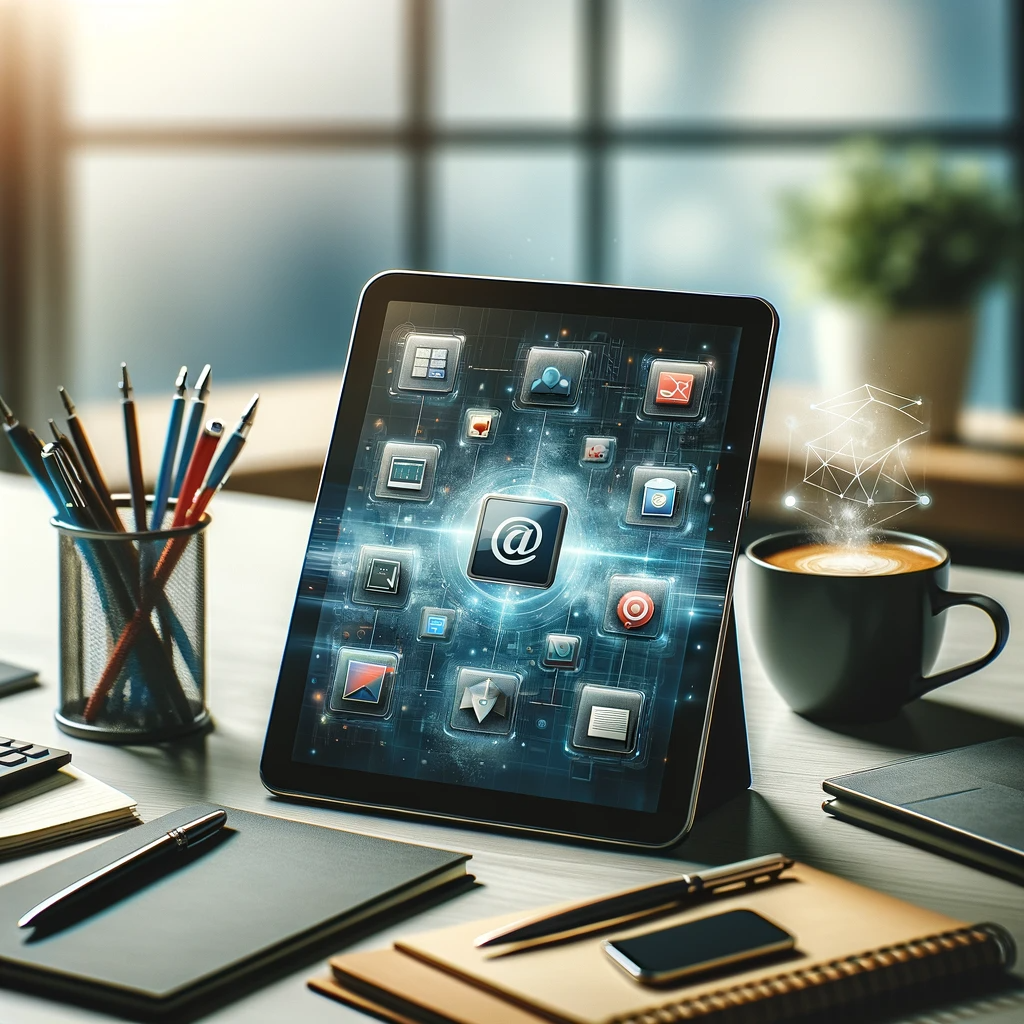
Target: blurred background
191,181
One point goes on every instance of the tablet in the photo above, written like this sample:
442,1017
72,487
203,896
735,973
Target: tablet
512,605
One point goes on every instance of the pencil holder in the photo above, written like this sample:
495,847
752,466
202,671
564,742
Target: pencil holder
132,633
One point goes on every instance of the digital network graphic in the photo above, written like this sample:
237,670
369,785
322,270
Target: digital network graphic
858,467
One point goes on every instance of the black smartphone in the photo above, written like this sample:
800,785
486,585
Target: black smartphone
697,947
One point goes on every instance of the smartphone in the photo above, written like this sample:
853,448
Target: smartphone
697,947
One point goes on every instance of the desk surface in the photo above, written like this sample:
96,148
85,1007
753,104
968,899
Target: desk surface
255,550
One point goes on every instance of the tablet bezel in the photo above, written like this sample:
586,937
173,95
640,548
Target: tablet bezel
758,323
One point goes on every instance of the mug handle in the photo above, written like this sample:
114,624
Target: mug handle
943,599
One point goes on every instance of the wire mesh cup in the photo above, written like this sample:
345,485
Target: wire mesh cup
132,633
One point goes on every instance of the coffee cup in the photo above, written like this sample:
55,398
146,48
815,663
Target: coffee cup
850,633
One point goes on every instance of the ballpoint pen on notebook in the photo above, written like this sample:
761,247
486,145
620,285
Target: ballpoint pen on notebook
164,480
193,425
163,850
631,904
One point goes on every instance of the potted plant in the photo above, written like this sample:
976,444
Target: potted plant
899,247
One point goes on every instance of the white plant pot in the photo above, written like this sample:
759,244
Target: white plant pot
916,355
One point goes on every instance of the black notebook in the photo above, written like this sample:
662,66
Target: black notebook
966,803
261,891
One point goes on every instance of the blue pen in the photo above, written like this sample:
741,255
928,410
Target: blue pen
229,451
194,424
29,449
163,480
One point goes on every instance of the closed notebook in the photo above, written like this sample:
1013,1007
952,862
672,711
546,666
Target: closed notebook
966,803
852,943
63,807
264,889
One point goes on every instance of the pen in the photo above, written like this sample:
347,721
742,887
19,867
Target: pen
201,459
193,425
29,450
131,439
168,847
221,469
162,491
87,455
174,549
632,904
92,500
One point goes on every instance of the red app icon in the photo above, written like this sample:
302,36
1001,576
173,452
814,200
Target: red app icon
635,608
674,388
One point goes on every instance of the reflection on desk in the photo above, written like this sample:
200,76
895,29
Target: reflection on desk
251,589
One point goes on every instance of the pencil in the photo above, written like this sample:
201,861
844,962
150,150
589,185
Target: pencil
29,450
201,459
131,439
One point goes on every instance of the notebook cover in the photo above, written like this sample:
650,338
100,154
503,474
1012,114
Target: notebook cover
263,889
973,795
832,920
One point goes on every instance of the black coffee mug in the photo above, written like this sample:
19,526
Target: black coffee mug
856,648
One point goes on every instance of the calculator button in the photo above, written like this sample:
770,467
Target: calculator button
11,759
19,745
4,740
35,752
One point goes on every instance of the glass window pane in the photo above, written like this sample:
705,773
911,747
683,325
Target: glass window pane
508,60
709,223
811,60
250,262
202,61
507,214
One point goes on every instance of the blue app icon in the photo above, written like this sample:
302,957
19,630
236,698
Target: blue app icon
659,497
436,624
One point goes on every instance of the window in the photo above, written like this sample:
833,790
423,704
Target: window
225,174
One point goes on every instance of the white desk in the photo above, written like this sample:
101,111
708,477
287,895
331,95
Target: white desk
255,551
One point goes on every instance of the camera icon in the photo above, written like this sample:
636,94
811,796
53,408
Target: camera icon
561,650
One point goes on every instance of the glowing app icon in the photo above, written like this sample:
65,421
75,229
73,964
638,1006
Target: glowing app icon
552,377
484,701
480,424
430,362
674,388
551,382
363,682
436,624
636,606
518,541
407,474
561,650
659,497
607,720
383,575
635,609
597,451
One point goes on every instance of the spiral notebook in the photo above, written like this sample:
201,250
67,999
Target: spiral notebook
853,944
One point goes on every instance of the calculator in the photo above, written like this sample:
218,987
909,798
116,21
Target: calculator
22,761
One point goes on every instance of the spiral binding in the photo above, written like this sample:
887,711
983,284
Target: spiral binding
936,960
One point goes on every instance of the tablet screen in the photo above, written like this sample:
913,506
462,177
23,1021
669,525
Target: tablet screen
523,586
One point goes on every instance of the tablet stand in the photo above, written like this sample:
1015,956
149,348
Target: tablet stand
727,759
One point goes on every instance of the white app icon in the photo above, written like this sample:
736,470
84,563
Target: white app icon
609,723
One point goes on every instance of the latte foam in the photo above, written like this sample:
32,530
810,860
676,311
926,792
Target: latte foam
883,559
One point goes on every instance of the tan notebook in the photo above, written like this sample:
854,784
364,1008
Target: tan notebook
67,805
852,942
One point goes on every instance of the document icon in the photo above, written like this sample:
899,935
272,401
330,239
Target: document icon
609,723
